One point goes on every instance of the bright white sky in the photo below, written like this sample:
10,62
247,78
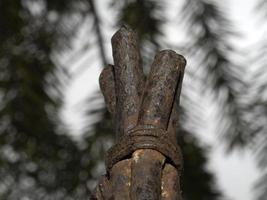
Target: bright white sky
236,172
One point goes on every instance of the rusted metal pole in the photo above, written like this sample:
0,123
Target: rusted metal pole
129,79
145,162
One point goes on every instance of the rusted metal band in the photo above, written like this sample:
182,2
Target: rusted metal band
145,138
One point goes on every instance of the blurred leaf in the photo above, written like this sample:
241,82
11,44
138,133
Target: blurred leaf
209,32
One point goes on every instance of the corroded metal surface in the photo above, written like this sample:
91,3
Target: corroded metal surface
146,174
129,79
103,190
170,184
107,86
120,178
161,88
145,162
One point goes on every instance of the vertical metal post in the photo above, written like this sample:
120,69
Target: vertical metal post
145,162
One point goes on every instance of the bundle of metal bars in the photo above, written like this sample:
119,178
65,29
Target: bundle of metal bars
145,163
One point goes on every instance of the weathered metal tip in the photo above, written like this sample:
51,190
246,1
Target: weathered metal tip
170,54
167,53
124,31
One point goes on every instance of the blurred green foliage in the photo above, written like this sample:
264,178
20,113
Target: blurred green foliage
38,158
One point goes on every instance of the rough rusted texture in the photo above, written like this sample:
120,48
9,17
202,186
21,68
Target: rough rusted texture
170,184
107,85
146,137
146,175
120,178
129,79
103,190
174,119
160,89
145,162
155,112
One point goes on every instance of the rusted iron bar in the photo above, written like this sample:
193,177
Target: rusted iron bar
155,112
145,162
146,174
160,89
170,185
129,81
120,178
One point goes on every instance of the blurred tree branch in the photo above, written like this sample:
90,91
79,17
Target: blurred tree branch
34,148
209,32
100,40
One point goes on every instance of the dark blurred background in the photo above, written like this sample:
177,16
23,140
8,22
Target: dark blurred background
41,41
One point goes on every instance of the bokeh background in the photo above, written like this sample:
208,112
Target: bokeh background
54,127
